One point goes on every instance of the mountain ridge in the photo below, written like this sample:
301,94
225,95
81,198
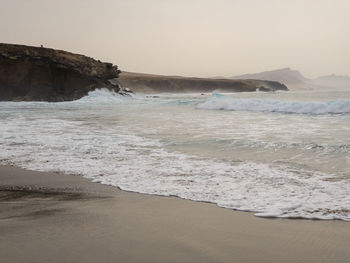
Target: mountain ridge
293,78
286,76
151,83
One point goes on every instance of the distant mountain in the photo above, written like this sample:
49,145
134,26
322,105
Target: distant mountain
335,81
285,75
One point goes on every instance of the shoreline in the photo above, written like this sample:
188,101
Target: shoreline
65,218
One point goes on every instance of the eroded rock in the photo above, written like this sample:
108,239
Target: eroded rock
44,74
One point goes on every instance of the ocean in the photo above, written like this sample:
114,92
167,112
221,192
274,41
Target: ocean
284,154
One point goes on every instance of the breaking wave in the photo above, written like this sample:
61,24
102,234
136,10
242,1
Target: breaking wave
104,96
114,140
221,102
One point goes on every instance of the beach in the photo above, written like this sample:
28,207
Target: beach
50,217
174,131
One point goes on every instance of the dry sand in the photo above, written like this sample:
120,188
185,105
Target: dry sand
47,217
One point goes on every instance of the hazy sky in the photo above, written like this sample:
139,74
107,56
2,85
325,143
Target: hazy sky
189,37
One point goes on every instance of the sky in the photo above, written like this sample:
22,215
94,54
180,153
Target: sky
202,38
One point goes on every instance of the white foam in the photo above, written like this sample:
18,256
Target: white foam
111,155
220,102
103,96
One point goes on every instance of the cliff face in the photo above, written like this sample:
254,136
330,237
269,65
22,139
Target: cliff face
146,83
43,74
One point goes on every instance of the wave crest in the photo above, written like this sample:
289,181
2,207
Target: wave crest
104,96
221,102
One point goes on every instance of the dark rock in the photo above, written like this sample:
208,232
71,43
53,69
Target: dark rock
43,74
125,91
268,85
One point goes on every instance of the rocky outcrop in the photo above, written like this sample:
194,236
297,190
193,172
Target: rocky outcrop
147,83
44,74
268,85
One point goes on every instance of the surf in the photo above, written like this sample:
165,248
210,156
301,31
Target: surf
221,102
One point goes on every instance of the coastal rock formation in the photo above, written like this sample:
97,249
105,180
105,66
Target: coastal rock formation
268,85
147,83
44,74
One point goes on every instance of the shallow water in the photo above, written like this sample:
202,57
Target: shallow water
283,154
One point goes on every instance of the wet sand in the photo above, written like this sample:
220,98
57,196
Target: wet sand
48,217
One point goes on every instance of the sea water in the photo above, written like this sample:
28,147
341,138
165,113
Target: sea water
281,154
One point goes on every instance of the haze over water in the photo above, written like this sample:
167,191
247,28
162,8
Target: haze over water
282,154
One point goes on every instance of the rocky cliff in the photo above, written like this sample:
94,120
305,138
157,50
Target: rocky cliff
44,74
147,83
